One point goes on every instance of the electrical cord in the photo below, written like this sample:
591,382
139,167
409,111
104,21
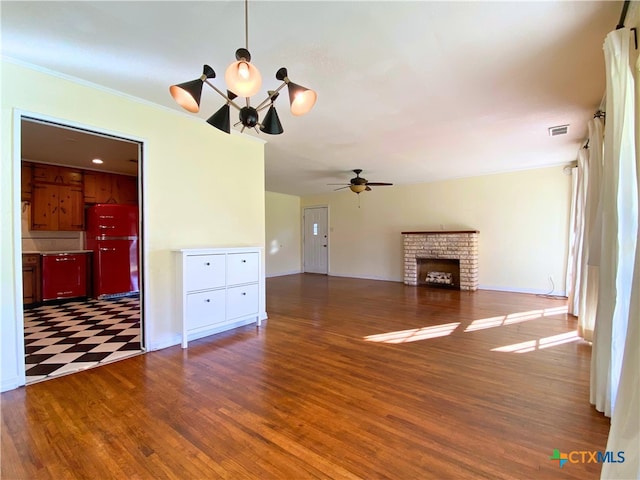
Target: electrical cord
550,293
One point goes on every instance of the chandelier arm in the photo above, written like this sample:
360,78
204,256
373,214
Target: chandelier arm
266,100
231,102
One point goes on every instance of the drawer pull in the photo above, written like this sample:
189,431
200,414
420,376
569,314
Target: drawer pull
207,300
64,259
243,293
65,293
207,264
244,261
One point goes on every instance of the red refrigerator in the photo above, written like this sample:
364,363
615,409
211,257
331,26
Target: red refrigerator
112,234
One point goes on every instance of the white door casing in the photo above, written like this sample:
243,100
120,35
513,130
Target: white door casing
316,240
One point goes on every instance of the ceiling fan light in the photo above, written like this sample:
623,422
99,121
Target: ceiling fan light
271,123
358,188
301,99
243,78
221,119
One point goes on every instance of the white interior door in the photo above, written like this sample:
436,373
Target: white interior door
316,240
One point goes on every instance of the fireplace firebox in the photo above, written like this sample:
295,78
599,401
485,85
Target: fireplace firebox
439,272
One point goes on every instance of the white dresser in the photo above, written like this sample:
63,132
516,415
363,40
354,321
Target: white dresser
219,289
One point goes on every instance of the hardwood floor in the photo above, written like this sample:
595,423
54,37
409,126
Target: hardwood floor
347,379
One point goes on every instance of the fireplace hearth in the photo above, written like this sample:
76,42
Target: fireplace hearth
443,259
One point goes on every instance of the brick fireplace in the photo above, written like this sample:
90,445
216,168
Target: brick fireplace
441,258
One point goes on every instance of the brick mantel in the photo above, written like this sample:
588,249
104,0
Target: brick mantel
461,245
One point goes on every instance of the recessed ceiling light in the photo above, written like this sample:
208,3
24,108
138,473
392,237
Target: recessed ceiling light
97,161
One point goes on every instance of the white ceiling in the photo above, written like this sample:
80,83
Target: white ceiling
408,91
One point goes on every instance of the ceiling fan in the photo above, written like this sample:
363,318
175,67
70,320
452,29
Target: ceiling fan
359,184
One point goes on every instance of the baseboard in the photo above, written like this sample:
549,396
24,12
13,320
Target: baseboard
282,274
532,291
367,277
10,384
166,343
223,328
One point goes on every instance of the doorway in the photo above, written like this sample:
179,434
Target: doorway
316,240
78,325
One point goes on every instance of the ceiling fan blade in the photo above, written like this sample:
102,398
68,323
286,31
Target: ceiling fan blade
379,184
368,189
342,184
341,188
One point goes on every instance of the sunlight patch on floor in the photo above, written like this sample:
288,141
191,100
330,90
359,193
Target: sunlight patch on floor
512,318
414,334
425,333
542,343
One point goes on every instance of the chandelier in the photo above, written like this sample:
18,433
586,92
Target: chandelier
244,80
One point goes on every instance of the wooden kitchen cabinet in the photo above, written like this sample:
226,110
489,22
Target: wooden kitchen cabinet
43,173
31,279
71,208
56,198
127,189
26,179
57,207
110,188
90,185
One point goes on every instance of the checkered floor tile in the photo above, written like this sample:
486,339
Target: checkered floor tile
73,336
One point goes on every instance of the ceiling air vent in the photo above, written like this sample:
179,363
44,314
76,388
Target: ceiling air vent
559,130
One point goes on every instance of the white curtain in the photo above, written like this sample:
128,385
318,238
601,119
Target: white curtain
590,269
625,421
576,232
617,223
624,434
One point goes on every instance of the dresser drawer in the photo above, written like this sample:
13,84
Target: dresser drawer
204,272
242,268
205,309
30,258
242,301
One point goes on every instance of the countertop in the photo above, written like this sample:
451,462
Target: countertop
55,252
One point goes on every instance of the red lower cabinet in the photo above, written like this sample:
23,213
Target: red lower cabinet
64,275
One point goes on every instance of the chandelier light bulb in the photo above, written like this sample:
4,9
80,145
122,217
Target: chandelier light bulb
243,70
243,78
303,102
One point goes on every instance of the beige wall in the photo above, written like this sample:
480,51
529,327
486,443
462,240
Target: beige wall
522,218
283,234
191,175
